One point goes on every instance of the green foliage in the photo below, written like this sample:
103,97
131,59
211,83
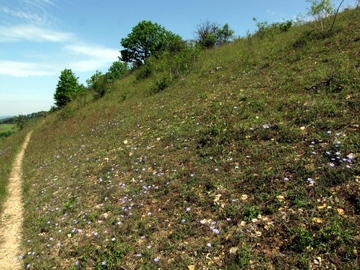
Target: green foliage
53,109
147,39
159,86
6,134
66,88
321,11
93,79
20,121
117,70
175,64
264,28
100,86
209,34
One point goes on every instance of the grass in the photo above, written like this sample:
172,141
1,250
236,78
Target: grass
248,160
7,128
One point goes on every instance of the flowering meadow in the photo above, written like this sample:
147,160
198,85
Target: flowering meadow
253,166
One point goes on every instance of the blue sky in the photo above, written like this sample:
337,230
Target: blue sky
40,38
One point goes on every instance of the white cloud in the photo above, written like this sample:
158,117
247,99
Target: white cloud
95,51
25,69
92,57
79,58
33,33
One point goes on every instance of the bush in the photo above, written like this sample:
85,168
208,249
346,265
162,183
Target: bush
209,34
264,28
100,87
20,121
159,86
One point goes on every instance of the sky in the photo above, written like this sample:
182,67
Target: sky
40,38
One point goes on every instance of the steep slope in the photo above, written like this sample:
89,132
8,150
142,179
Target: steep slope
248,161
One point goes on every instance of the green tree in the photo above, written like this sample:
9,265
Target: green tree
20,121
209,34
320,10
93,79
66,88
146,39
117,70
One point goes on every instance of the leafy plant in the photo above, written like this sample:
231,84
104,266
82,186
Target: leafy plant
145,40
93,79
20,121
117,70
209,34
66,88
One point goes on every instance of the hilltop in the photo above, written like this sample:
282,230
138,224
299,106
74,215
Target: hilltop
241,156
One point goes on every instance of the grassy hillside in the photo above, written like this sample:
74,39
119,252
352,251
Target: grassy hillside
248,159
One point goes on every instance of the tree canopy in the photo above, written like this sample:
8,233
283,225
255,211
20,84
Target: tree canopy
145,40
117,70
67,86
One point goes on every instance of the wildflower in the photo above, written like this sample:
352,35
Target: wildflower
286,179
332,165
103,263
139,255
183,220
77,263
156,260
216,231
188,209
208,244
149,213
113,239
202,221
228,219
148,247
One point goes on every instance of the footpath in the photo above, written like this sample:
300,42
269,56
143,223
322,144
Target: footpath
12,216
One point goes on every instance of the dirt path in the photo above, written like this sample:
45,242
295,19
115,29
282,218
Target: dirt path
12,217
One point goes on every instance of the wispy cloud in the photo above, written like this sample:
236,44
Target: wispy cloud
31,21
91,57
80,58
94,51
25,69
30,11
32,33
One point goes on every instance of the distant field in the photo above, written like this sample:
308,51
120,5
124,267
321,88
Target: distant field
7,127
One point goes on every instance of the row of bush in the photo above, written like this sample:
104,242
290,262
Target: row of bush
151,49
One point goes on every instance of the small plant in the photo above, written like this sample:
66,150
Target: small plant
159,86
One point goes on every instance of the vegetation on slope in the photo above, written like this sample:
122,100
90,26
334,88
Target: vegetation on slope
247,158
